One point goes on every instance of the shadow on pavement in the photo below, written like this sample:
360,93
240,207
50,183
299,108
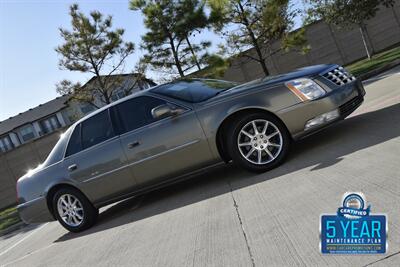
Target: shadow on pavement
321,150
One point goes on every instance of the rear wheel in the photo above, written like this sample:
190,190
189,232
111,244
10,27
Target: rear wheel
258,142
73,210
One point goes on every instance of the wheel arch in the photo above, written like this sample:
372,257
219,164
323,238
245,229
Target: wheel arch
53,189
222,129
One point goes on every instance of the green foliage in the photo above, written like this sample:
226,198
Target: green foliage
257,24
5,223
92,46
7,212
377,61
215,67
345,13
170,25
8,217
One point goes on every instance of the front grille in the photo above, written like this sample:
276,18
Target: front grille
348,107
339,76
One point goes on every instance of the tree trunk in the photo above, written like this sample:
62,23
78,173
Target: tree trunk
176,58
262,61
254,40
193,53
106,97
365,40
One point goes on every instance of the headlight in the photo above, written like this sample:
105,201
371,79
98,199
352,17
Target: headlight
305,89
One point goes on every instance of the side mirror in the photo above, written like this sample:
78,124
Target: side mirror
163,111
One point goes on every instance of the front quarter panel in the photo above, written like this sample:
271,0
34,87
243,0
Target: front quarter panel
212,113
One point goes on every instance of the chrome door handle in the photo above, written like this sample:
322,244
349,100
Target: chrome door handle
133,144
72,167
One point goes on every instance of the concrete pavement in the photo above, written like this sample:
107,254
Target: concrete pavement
229,217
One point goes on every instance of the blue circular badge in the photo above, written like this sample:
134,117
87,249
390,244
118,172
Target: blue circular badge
354,201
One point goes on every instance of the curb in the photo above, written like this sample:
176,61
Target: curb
377,71
12,228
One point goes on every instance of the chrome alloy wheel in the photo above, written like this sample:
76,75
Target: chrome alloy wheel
70,210
260,141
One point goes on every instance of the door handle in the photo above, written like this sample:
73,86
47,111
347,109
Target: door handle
133,144
72,167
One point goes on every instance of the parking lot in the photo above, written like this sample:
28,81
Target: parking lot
229,217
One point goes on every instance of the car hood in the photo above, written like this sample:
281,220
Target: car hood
276,79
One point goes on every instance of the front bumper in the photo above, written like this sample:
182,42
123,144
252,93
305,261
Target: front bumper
35,211
345,99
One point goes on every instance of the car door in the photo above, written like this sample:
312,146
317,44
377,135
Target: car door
95,159
160,149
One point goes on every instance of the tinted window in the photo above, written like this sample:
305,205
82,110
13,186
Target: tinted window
193,90
74,145
136,112
96,129
27,133
57,153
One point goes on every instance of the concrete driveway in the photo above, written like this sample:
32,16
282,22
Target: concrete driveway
229,217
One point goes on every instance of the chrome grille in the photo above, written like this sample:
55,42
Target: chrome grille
339,76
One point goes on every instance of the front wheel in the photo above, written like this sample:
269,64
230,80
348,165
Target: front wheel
258,142
73,210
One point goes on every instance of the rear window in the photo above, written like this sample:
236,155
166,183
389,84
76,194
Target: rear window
193,90
57,153
96,129
74,145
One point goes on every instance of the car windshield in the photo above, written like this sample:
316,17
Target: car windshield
57,152
193,90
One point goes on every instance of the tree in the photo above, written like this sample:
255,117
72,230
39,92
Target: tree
193,21
215,67
347,13
170,26
256,24
92,46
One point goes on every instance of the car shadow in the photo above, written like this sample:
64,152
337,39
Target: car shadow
319,151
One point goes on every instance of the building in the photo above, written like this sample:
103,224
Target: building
40,121
33,123
27,138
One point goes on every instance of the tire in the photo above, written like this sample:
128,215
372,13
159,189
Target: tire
77,215
240,132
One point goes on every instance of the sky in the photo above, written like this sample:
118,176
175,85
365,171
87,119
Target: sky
29,33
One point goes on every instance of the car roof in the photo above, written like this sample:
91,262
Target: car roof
136,94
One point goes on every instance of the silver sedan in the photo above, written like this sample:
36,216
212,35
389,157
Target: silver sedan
166,133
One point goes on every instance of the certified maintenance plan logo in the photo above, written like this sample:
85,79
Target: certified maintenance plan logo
353,230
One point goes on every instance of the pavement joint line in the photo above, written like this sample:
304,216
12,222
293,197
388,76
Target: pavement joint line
241,225
41,249
385,258
22,240
27,255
